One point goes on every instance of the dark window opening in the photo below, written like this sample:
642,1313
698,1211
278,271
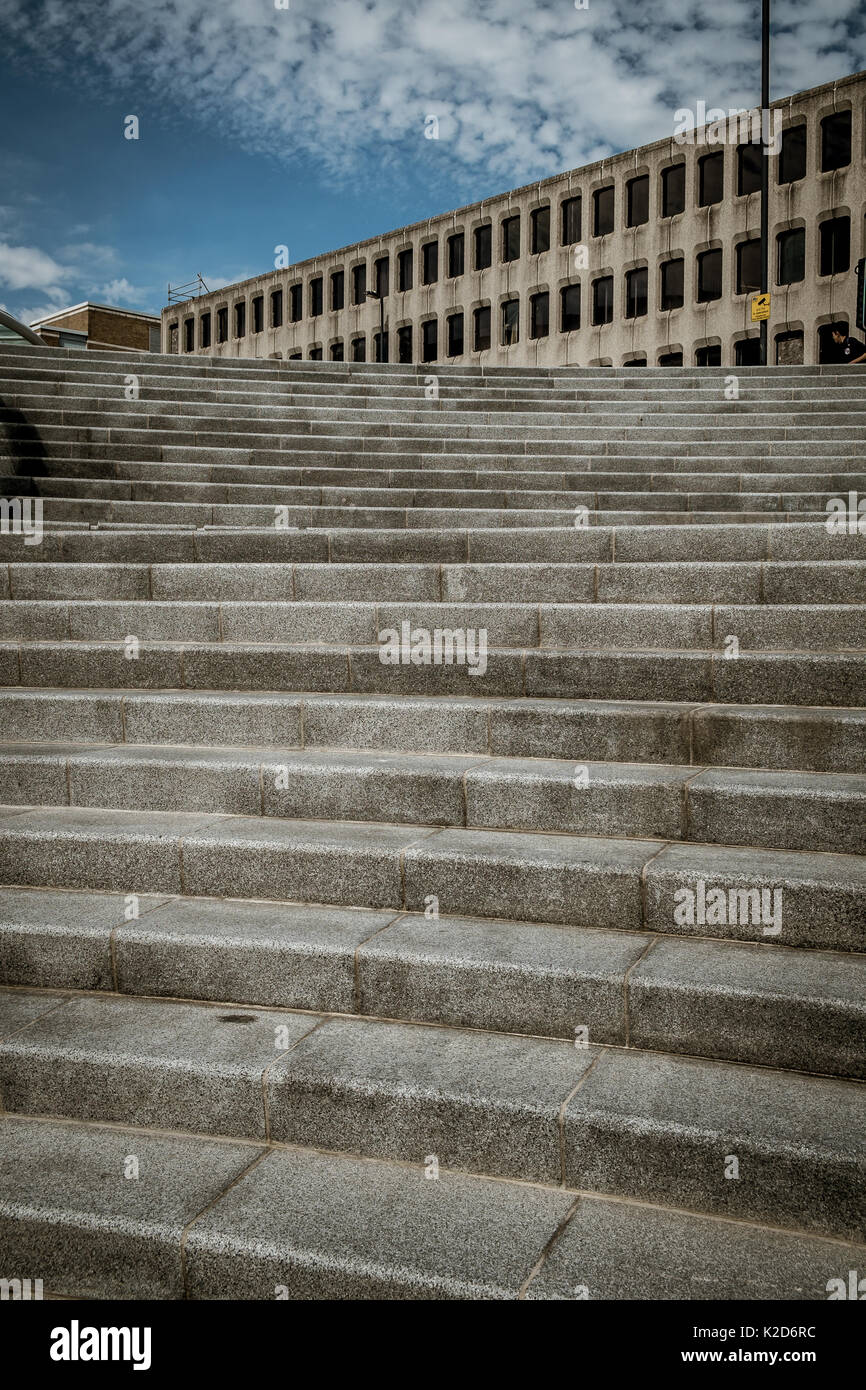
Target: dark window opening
602,211
571,221
510,238
482,328
454,325
204,331
539,315
455,255
405,277
240,320
709,276
709,356
222,325
791,257
483,247
748,267
792,156
569,308
510,322
258,313
380,347
296,306
359,350
828,351
338,290
540,230
637,199
276,309
671,359
711,179
336,352
188,335
673,190
602,300
294,357
636,293
404,343
672,280
316,297
749,163
430,340
382,274
835,245
359,284
430,263
315,354
747,352
635,362
836,141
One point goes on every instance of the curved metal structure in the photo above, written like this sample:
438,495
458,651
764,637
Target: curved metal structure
11,328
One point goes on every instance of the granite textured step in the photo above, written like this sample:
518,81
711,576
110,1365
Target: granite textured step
399,778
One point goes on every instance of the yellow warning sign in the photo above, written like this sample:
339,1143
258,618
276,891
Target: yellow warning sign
760,307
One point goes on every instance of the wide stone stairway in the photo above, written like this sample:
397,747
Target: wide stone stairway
432,830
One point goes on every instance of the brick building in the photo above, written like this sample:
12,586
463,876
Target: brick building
100,326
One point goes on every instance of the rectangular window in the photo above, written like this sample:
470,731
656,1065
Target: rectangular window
637,201
747,352
336,352
510,322
791,257
383,277
748,267
709,276
296,303
316,297
672,274
430,263
571,221
749,163
569,308
430,340
792,156
539,315
482,328
454,325
258,313
602,211
404,342
709,356
602,300
240,320
455,255
338,290
540,230
315,354
836,141
359,350
172,337
671,359
276,309
673,190
835,245
188,335
789,349
222,325
204,331
404,271
359,285
510,238
294,356
380,347
636,293
711,179
483,237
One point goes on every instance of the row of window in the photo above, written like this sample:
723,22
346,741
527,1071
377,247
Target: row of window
834,257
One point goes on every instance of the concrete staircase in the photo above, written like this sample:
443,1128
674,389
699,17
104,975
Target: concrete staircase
534,976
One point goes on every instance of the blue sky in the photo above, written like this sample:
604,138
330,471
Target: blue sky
305,125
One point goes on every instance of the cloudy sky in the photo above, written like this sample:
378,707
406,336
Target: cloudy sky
306,122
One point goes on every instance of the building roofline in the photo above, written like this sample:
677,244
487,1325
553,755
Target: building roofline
89,304
581,170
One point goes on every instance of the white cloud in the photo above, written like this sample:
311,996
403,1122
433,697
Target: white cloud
28,268
521,89
121,293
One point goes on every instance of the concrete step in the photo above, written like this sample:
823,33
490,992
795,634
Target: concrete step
228,1219
760,1003
796,898
648,1126
751,736
789,810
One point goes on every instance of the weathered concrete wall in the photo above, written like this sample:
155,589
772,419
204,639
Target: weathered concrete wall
801,307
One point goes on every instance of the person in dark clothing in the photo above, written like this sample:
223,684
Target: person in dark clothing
852,351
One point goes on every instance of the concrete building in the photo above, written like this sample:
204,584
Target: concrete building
100,326
648,258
